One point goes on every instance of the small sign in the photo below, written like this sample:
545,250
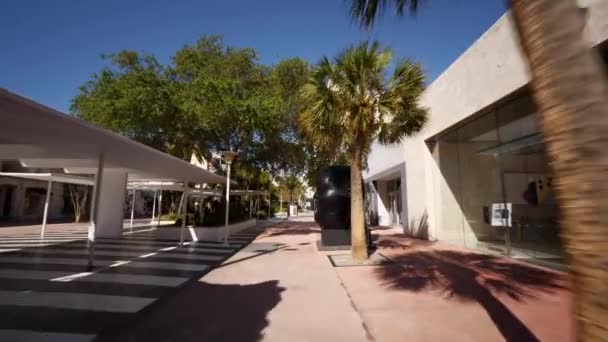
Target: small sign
501,214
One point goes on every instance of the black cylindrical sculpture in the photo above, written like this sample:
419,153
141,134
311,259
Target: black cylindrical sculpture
333,205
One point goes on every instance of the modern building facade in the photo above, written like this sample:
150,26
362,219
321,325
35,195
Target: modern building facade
481,148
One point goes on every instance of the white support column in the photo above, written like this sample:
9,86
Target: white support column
153,207
160,205
110,207
46,208
94,212
132,209
184,214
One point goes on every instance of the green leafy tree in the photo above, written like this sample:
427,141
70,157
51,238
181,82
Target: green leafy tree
293,184
133,97
209,98
350,98
228,92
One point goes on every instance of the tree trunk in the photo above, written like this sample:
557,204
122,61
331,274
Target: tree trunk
269,195
357,220
78,197
571,91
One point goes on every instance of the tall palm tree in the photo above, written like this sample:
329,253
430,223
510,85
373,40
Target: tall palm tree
350,97
571,90
292,183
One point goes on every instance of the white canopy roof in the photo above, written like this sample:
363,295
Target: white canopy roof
55,177
41,137
172,186
247,192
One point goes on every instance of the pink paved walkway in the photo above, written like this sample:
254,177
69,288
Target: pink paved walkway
280,288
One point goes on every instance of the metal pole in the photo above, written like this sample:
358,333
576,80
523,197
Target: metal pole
257,209
269,194
184,214
200,204
153,207
503,188
227,204
93,216
160,205
250,206
132,209
46,208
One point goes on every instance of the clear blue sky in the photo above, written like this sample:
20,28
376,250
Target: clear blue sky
49,48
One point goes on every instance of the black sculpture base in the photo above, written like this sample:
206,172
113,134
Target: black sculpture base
335,237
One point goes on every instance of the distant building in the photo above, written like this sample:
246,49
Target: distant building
23,199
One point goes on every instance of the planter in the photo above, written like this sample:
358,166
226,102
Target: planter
202,233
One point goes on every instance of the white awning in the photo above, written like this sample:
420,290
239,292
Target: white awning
247,192
170,186
55,177
40,137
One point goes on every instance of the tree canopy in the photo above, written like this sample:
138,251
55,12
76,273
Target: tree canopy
208,98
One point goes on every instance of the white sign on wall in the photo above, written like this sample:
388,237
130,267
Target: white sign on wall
501,214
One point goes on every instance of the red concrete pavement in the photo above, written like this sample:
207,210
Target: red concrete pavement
280,288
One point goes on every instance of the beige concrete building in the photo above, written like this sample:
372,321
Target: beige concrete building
481,148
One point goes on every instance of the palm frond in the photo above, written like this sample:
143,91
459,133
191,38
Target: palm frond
349,102
365,12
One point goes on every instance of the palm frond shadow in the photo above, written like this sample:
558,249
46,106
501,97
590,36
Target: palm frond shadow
473,277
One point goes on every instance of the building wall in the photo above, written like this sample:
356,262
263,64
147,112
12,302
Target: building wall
492,68
18,198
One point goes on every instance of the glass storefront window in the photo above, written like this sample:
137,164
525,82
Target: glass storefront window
493,161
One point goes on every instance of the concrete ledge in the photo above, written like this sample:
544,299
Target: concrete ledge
202,233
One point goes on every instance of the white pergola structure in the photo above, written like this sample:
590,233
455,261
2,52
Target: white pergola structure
159,187
40,137
49,178
250,194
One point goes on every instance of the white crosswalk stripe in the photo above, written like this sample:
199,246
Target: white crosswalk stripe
84,261
78,301
129,274
42,336
119,278
129,254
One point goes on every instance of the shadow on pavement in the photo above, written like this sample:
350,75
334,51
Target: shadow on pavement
208,312
293,228
473,277
399,241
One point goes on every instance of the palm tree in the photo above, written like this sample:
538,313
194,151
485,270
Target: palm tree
571,91
292,183
351,98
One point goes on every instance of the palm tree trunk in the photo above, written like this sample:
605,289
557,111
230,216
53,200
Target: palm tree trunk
357,219
572,94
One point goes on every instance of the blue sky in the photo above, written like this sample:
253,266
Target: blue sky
50,48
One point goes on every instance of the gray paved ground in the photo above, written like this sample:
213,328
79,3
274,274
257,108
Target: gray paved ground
47,292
